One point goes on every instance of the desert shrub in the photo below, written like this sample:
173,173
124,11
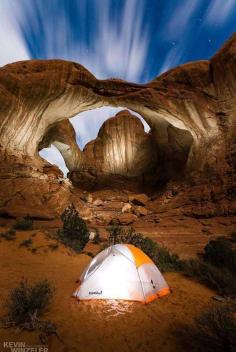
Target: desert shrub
9,235
115,233
26,300
26,243
159,254
23,224
74,233
26,304
166,261
220,252
221,280
212,331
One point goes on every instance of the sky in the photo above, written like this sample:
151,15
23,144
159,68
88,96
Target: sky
135,40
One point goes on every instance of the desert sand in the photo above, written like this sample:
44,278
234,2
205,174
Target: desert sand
95,325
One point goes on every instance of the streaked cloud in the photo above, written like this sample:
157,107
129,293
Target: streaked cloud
12,44
219,12
180,17
173,58
109,43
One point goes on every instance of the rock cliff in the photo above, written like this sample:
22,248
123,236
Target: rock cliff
190,108
62,136
122,147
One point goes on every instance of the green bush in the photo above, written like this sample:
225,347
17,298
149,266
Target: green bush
115,233
74,233
9,235
220,252
212,331
221,280
27,300
23,224
26,303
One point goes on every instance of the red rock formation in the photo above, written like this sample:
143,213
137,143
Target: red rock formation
62,136
122,147
30,186
197,98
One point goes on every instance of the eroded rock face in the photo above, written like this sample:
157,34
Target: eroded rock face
122,147
30,186
197,98
37,94
62,136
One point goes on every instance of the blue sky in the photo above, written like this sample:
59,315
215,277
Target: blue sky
134,40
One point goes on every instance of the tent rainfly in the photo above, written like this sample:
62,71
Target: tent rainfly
123,272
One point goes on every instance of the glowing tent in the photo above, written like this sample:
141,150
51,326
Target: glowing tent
122,271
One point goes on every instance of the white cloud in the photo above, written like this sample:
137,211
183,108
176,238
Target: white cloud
219,11
12,45
123,44
173,58
180,18
176,29
119,46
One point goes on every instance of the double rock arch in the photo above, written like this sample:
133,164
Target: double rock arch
36,96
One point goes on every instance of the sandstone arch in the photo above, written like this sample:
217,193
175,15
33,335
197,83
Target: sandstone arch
35,95
62,136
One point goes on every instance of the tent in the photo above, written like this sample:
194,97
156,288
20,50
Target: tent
122,271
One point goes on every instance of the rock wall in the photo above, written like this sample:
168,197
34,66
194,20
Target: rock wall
197,98
62,136
122,147
30,186
37,94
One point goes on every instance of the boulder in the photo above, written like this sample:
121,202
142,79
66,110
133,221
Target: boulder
141,211
86,213
126,219
98,202
139,199
92,235
126,208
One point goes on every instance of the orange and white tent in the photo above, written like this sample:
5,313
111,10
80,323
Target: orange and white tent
122,271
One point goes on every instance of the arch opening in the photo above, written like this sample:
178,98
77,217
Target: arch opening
111,144
54,157
96,117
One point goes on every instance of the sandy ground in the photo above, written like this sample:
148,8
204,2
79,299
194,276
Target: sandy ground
96,325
